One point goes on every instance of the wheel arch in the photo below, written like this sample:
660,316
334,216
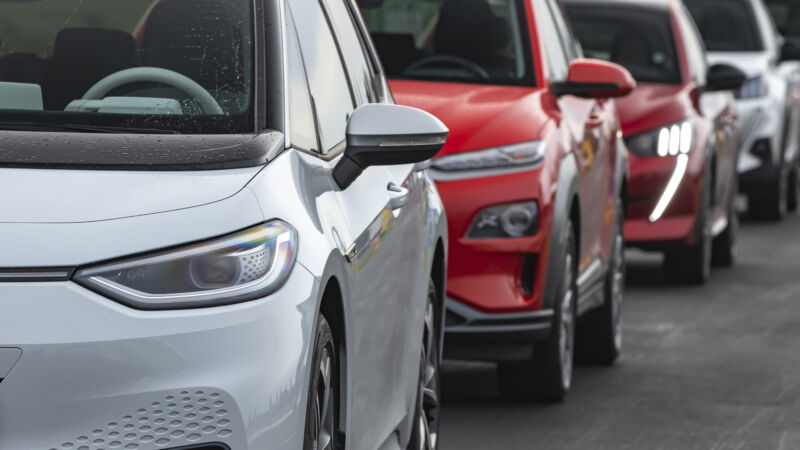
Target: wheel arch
565,207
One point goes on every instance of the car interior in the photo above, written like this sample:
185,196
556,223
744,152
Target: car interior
475,40
200,39
641,42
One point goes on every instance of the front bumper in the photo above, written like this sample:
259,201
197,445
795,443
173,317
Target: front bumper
495,275
478,336
95,374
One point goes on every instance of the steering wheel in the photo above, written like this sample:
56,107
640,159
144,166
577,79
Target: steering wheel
173,79
447,60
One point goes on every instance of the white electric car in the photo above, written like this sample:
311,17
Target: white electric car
742,33
217,231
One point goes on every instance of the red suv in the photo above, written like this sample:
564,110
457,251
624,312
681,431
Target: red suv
533,179
680,126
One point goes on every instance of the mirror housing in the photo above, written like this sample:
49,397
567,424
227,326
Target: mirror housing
724,77
592,78
790,51
383,134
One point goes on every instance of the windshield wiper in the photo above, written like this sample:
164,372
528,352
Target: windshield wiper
33,126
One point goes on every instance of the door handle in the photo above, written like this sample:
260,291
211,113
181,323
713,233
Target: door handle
398,196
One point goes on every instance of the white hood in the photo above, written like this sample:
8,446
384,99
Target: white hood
71,196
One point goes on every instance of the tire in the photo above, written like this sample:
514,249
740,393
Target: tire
692,264
599,333
425,430
775,204
793,191
547,376
322,413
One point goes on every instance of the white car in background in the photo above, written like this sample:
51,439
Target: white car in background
742,33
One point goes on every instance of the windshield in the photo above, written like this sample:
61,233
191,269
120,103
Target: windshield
786,14
726,26
638,39
475,41
144,66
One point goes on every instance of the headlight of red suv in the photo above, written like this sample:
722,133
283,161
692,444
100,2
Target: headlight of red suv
671,140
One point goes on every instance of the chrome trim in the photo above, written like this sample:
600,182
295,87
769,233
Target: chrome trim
590,275
453,175
33,274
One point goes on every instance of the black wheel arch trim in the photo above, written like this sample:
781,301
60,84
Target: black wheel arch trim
566,194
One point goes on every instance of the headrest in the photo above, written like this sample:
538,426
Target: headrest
94,47
469,29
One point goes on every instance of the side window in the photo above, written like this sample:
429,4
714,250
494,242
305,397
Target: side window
694,48
358,67
557,59
330,90
303,130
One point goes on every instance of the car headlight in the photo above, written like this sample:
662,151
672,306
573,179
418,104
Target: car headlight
670,140
526,153
514,220
243,266
755,87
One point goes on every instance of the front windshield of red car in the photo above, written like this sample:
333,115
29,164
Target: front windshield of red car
179,66
639,39
475,41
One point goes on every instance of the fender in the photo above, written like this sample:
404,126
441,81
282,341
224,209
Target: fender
566,193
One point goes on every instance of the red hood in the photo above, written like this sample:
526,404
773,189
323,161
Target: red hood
650,106
478,116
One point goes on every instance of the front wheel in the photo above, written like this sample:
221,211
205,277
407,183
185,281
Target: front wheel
425,432
548,375
322,421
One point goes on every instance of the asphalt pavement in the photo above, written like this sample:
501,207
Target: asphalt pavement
710,367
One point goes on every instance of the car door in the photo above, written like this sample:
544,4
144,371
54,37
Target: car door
586,120
379,228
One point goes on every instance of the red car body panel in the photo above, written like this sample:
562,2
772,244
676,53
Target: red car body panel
652,106
490,275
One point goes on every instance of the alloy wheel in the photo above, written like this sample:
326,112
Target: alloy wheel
323,406
428,413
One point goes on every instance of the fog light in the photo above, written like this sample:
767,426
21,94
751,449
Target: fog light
514,220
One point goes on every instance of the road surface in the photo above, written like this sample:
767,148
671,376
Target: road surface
711,367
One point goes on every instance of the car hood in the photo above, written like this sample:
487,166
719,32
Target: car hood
652,105
478,116
751,63
70,196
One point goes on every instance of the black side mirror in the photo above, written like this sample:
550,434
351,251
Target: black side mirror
381,134
724,77
790,51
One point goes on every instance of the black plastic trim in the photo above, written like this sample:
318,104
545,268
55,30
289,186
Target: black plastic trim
474,335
